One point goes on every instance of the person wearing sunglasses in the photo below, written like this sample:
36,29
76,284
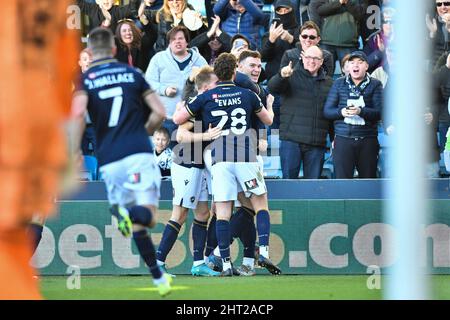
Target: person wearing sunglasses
309,36
439,28
98,12
375,47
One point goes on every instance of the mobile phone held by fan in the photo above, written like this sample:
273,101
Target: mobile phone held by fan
277,22
239,43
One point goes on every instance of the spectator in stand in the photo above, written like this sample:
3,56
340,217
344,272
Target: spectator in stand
133,47
163,154
85,60
355,105
439,28
382,73
344,65
243,17
303,10
173,13
309,36
340,28
168,71
377,42
88,143
313,15
97,13
303,128
441,92
373,17
282,36
239,43
430,116
153,4
212,43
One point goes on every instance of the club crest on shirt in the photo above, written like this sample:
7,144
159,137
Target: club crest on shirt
135,178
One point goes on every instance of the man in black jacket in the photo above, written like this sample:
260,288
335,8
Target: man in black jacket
303,128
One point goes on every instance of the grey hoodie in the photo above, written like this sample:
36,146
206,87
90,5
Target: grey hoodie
163,72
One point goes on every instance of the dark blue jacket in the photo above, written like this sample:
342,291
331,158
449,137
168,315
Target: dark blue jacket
247,23
371,113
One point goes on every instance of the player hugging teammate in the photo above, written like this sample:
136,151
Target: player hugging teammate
189,185
234,169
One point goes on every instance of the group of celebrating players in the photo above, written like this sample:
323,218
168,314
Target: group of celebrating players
218,136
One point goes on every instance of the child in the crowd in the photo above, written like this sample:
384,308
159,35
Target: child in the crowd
163,154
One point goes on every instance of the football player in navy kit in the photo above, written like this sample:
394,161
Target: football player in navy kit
113,94
189,187
242,224
232,109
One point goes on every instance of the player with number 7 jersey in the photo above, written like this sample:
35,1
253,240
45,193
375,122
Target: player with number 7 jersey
123,110
115,107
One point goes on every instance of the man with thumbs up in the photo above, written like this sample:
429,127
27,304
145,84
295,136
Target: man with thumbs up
303,129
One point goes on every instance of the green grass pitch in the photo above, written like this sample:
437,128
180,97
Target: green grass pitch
261,287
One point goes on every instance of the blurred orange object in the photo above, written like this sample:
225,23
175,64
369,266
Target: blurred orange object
39,56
